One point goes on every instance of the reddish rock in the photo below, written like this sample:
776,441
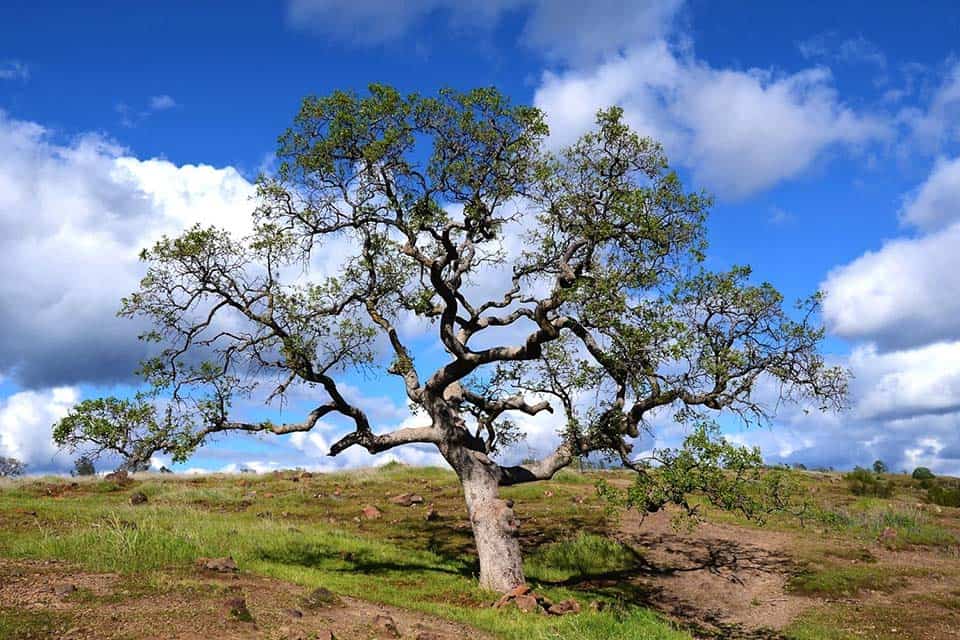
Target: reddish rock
370,512
220,565
505,599
138,497
431,514
386,626
564,607
527,603
120,477
407,499
424,632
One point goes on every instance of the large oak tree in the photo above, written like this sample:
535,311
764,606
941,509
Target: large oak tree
605,315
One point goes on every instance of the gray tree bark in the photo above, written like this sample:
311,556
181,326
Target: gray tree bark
495,527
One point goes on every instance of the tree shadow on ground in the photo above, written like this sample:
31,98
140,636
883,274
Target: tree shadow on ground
360,561
635,584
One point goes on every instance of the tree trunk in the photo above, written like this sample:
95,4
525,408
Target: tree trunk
495,529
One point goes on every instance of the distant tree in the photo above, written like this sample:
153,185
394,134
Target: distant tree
799,466
617,316
879,466
113,426
83,466
11,467
922,473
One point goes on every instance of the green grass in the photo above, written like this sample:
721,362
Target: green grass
584,556
818,625
873,621
950,601
845,580
313,541
867,518
308,532
17,624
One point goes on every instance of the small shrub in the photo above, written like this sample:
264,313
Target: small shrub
944,495
862,482
832,519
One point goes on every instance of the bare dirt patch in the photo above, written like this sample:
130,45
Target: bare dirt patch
197,605
718,580
726,581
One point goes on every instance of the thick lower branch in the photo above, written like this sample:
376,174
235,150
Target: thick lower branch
541,470
290,427
375,443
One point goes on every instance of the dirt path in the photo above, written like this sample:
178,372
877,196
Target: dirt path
198,606
720,580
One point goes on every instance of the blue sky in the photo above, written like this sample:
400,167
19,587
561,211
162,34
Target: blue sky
830,137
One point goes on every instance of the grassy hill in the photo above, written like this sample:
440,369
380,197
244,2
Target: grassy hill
855,567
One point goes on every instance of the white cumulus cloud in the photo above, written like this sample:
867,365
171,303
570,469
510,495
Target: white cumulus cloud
740,131
901,305
906,293
936,204
25,420
73,218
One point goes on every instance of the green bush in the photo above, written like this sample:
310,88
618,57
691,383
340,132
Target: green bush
922,473
944,495
863,482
